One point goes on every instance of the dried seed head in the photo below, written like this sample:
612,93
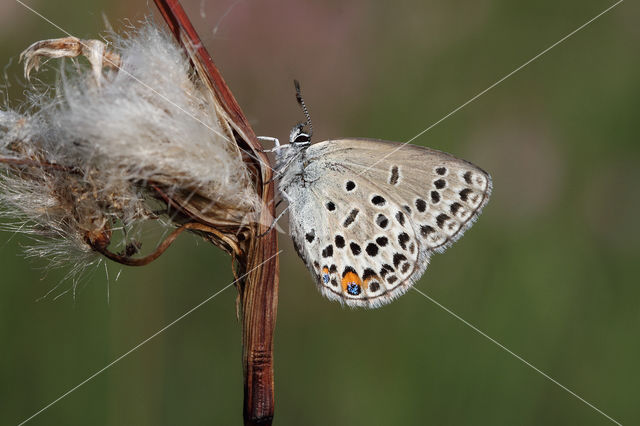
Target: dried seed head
90,156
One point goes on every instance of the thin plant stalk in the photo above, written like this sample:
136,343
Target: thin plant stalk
259,290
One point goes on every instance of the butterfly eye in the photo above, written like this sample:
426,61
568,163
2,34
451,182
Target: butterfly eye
298,137
302,138
297,134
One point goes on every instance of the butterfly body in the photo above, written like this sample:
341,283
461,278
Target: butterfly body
366,215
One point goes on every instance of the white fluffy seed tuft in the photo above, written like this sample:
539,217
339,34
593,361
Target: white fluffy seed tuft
84,157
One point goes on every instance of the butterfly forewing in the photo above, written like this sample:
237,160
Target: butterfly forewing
366,215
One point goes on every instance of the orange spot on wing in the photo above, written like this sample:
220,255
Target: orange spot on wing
350,278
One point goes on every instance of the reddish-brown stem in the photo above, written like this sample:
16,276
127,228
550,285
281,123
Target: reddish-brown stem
259,309
259,290
164,245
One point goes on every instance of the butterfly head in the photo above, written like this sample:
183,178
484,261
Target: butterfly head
299,138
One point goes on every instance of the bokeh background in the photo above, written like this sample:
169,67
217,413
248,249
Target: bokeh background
550,270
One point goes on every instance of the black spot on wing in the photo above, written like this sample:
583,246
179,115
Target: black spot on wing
378,200
398,258
441,219
368,273
385,270
346,270
382,221
382,241
464,194
403,239
351,218
394,175
355,248
353,289
311,235
425,230
372,249
467,177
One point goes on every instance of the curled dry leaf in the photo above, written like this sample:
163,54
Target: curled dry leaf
70,47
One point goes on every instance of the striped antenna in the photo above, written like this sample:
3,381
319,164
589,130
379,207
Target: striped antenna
296,83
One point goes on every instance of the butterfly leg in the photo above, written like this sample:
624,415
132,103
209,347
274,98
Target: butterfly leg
270,139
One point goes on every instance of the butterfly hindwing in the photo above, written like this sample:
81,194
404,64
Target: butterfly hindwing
366,215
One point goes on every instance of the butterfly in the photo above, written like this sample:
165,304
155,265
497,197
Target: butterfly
366,215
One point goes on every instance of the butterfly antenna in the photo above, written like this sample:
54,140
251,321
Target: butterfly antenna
304,107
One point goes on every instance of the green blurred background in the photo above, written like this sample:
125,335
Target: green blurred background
550,270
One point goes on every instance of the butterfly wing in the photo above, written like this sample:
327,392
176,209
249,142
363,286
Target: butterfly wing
366,215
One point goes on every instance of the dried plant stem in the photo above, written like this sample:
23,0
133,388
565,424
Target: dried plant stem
164,245
103,152
259,290
259,308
